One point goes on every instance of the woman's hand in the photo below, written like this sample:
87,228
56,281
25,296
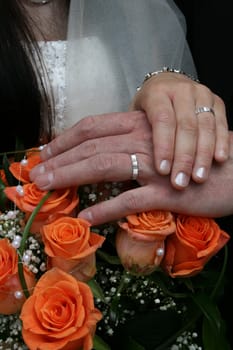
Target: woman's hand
185,143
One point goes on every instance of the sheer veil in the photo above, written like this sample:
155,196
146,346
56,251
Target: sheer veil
112,44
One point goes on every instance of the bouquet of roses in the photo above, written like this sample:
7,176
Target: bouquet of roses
146,282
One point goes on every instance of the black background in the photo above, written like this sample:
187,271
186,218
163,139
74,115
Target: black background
209,33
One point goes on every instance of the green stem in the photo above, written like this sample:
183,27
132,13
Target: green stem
112,260
221,275
173,338
168,292
99,344
22,278
198,313
23,242
125,279
17,152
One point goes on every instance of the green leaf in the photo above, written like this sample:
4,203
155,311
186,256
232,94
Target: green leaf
96,290
214,340
10,178
209,309
220,281
129,344
99,344
111,259
114,311
19,146
164,283
133,345
2,195
214,330
149,329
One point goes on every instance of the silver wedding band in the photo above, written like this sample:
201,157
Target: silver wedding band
204,109
135,168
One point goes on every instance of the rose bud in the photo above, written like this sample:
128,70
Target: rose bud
140,240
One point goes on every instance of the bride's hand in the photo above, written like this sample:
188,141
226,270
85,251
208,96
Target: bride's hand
185,143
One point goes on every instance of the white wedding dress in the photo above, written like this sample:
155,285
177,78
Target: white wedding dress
110,47
54,57
101,93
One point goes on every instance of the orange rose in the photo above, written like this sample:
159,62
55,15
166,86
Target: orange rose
71,246
60,202
9,279
140,240
3,177
60,314
21,170
196,240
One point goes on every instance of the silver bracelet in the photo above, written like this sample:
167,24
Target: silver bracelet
166,69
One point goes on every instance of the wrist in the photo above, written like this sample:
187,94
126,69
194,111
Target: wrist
168,70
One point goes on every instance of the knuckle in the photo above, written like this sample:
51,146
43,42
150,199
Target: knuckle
184,161
204,91
89,147
186,85
59,144
144,137
137,120
219,101
50,165
164,148
208,124
86,125
102,164
59,179
188,125
206,153
163,117
131,203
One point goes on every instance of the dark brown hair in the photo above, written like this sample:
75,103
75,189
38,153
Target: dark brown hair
25,110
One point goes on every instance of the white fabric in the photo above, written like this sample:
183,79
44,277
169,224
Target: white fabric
112,44
54,58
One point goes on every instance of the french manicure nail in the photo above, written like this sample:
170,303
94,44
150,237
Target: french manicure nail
165,166
181,179
201,173
222,154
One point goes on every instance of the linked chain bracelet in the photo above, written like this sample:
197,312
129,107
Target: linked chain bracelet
167,69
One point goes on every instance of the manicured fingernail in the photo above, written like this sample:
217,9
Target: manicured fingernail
165,166
181,179
201,173
222,155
